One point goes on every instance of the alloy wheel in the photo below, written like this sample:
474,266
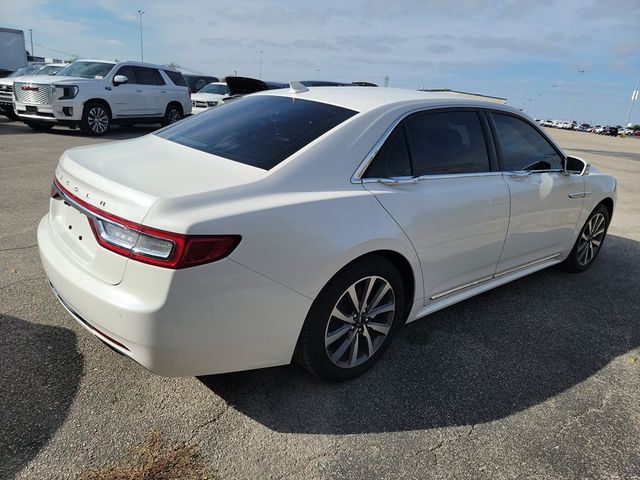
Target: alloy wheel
174,115
360,322
591,239
98,120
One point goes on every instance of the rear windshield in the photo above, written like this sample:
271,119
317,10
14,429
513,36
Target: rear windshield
260,130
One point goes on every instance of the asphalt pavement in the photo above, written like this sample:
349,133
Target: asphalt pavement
539,378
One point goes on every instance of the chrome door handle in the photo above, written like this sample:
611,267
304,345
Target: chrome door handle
399,180
519,173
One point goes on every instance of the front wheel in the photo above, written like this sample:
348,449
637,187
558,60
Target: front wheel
96,119
589,241
352,321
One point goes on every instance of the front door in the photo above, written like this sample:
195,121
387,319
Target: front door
435,178
545,200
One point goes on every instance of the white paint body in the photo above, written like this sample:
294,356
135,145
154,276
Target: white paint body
300,222
200,101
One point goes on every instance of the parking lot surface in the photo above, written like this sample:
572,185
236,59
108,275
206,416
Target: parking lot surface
539,378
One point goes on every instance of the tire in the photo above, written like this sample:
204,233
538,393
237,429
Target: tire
589,241
172,114
96,119
40,127
339,348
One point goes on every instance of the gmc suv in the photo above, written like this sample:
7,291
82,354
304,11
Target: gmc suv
94,94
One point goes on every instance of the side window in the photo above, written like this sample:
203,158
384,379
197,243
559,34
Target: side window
446,143
148,76
523,147
392,160
128,72
176,78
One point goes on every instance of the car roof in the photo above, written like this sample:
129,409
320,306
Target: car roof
362,99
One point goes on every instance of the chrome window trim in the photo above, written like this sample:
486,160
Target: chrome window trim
356,178
421,178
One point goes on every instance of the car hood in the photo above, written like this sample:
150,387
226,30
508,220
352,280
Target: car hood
206,96
126,178
48,79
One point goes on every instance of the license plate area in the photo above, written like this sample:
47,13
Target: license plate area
74,229
31,109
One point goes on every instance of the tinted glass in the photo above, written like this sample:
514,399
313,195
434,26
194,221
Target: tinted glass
215,88
48,70
523,147
25,70
446,143
260,131
148,76
393,158
176,78
86,70
129,73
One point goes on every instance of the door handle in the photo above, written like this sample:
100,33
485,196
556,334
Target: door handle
519,173
399,180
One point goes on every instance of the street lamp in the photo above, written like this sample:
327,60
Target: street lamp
31,38
634,96
575,102
140,12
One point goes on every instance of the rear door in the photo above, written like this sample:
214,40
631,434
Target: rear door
545,200
153,91
437,176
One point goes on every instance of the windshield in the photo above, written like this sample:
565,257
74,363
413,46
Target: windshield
95,70
260,130
21,72
218,89
48,70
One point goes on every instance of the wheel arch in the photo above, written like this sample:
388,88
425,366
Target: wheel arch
608,203
101,101
177,104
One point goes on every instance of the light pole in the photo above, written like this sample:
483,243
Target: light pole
260,74
575,102
31,38
317,73
634,96
140,12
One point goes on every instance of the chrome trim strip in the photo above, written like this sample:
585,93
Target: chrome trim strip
497,275
79,207
410,180
526,265
577,195
461,287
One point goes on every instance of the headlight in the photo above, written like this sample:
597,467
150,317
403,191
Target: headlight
68,91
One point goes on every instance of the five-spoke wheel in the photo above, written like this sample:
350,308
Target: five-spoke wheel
589,241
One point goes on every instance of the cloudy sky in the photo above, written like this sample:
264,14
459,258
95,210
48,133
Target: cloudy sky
530,52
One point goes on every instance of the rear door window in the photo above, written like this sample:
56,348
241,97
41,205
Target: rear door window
447,143
260,130
148,76
523,147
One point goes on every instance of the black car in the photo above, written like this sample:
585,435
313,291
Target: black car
324,83
196,82
611,131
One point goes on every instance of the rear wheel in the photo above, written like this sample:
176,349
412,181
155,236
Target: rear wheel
40,127
352,321
172,114
96,119
589,241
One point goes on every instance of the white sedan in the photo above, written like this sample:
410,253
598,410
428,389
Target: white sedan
208,96
310,224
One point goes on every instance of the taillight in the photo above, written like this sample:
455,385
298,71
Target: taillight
150,245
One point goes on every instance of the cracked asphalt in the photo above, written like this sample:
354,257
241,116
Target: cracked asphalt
536,379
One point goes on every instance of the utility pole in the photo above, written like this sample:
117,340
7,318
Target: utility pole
634,96
260,74
575,102
31,38
140,12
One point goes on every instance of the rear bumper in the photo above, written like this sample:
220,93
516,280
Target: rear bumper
215,318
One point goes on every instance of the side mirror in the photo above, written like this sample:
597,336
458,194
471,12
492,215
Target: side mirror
576,165
120,79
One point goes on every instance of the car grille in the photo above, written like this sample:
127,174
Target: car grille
6,93
38,93
198,103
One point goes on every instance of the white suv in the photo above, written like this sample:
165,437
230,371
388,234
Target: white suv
94,94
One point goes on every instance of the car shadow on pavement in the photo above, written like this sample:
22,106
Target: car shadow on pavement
481,360
40,370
